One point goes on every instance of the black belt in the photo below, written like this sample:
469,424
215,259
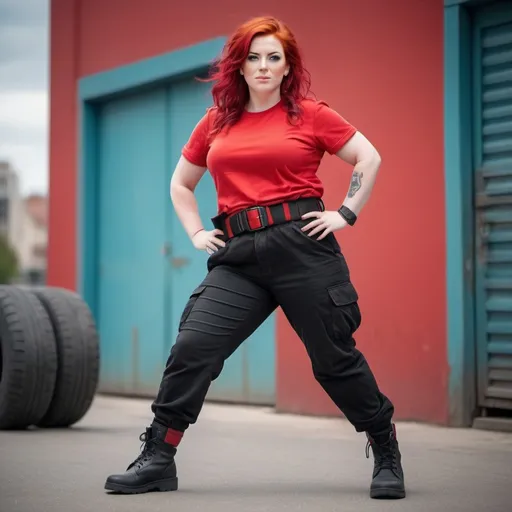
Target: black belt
261,217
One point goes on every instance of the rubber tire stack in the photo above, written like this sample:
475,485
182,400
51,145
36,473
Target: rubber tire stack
49,357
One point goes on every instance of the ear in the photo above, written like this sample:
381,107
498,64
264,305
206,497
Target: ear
241,72
287,71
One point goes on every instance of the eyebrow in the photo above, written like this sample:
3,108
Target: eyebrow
271,53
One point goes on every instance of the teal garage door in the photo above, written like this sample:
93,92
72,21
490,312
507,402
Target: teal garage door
131,177
492,53
147,266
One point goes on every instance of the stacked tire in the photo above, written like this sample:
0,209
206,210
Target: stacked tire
49,357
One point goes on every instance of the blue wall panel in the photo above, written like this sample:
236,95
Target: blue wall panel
459,214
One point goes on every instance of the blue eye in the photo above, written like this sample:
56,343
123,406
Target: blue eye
272,57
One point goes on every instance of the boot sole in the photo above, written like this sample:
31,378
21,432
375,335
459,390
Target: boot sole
170,484
387,493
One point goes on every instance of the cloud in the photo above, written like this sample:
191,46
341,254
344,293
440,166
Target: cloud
23,42
24,137
27,75
23,90
28,109
23,12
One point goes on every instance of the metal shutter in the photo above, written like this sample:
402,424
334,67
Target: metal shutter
492,88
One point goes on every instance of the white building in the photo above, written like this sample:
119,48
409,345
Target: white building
11,205
24,221
34,238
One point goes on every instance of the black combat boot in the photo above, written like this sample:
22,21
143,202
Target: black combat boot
388,475
153,470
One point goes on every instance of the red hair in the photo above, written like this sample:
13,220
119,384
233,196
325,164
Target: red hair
231,93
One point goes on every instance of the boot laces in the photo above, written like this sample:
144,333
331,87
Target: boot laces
385,455
147,449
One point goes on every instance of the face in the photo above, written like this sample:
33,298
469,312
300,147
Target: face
265,65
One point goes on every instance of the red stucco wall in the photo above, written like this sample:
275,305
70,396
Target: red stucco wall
380,65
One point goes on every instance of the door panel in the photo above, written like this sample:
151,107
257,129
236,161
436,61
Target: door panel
132,180
187,103
493,203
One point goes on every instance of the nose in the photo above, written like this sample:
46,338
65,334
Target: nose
263,64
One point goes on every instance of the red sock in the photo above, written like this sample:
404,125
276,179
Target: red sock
173,437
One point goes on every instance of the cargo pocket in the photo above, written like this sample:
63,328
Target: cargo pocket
190,304
346,312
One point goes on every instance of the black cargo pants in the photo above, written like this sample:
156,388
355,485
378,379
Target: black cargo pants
251,276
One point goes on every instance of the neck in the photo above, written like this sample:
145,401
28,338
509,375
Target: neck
258,103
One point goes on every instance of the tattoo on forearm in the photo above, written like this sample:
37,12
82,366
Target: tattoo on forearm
355,183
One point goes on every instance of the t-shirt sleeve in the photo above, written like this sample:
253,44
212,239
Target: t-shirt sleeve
332,131
197,146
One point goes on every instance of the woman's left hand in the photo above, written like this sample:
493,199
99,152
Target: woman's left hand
327,222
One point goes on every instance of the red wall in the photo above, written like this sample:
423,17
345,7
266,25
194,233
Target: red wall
381,67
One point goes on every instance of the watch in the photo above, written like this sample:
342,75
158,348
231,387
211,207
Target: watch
348,215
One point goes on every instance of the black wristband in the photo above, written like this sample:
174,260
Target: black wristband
348,215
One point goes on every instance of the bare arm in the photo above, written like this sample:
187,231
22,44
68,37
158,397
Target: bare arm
360,153
184,180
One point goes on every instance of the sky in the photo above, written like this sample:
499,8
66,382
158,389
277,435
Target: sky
24,47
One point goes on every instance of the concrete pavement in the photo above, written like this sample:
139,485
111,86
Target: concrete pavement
250,460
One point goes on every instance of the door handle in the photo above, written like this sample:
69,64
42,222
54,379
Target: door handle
179,262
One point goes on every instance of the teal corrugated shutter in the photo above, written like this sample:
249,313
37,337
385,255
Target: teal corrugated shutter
493,202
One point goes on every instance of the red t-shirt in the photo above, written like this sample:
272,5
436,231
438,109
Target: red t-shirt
263,159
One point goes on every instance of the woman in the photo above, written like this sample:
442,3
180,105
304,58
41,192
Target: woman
273,245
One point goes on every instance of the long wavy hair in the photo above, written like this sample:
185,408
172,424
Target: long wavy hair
231,93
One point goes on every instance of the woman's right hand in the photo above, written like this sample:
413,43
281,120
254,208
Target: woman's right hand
207,240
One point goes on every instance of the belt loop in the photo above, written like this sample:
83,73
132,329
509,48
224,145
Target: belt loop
287,211
218,222
270,220
242,222
229,228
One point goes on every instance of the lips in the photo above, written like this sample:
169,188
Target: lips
263,78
